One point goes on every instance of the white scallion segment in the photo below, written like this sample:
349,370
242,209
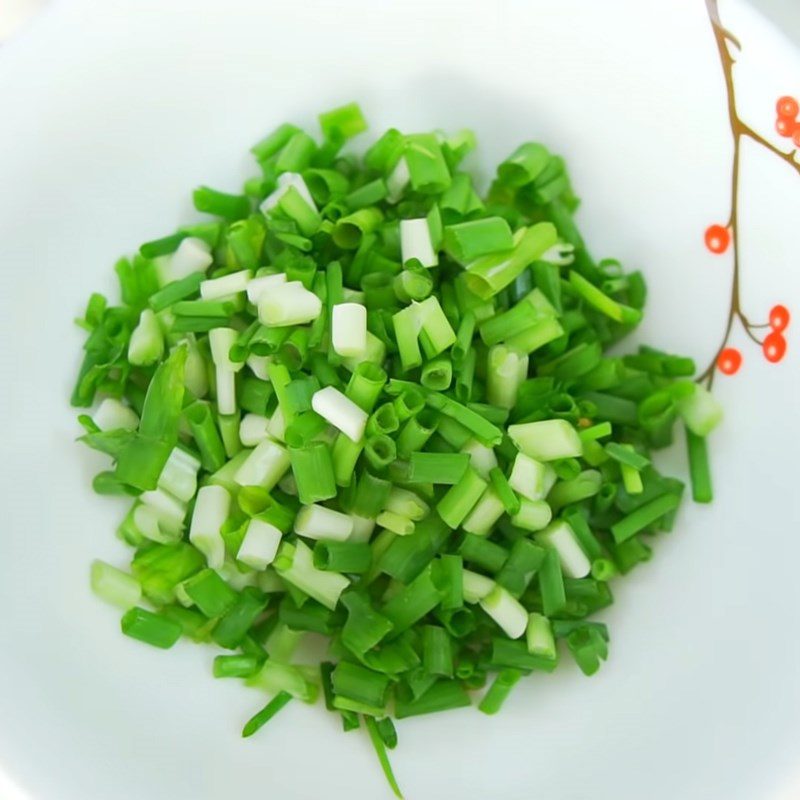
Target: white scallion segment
407,504
265,465
221,340
253,429
263,283
533,515
115,586
487,511
195,374
317,522
169,510
362,529
397,181
147,522
547,440
323,585
285,180
505,371
226,391
529,477
415,242
147,341
260,544
179,475
270,582
259,366
481,458
192,255
396,523
506,611
111,415
277,426
227,285
349,329
288,304
340,411
700,411
560,254
235,578
539,636
476,586
560,537
211,509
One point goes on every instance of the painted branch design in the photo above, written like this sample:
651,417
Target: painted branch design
720,238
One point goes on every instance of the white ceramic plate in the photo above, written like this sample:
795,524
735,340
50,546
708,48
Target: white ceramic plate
112,111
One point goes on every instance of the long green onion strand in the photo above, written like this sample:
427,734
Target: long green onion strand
361,401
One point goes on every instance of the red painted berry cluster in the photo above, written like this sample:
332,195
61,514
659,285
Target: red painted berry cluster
787,123
773,346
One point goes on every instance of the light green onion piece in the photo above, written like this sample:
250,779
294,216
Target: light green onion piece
115,586
548,440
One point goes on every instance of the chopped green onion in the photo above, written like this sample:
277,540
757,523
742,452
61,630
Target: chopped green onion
150,628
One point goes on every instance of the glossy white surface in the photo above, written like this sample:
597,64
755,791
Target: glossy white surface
112,112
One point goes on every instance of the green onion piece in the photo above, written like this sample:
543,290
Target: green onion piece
442,696
700,411
461,498
588,648
438,468
295,564
463,343
505,681
551,584
702,491
176,291
524,165
243,666
547,440
209,592
501,486
150,628
584,485
427,169
483,430
351,557
415,433
523,562
380,451
231,629
356,683
437,374
380,750
313,472
489,555
436,334
489,274
449,579
407,557
644,516
602,302
257,721
539,637
437,653
115,586
467,241
227,206
413,602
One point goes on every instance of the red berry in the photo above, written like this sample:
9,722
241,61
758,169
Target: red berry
717,238
787,107
774,347
729,361
779,318
796,136
785,126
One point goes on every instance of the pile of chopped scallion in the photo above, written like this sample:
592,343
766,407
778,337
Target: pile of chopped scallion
364,403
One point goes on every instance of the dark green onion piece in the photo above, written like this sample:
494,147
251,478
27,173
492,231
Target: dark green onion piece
257,721
505,681
153,629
